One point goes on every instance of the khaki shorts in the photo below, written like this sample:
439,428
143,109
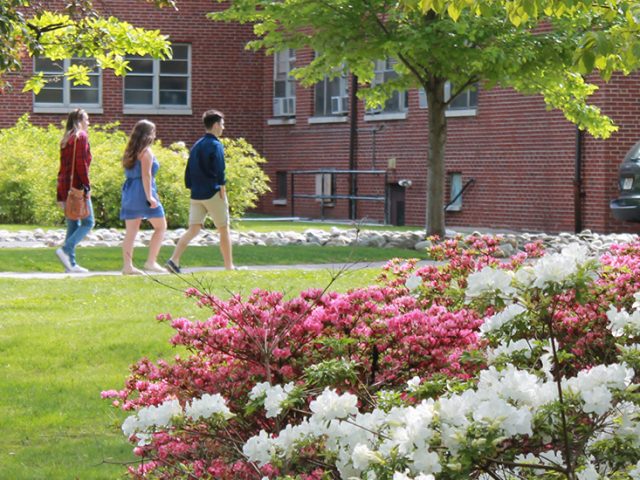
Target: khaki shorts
215,207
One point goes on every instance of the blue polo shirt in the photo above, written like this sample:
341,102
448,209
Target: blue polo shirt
204,174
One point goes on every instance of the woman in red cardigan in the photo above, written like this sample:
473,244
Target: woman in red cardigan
75,138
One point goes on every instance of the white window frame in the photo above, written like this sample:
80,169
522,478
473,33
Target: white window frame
455,187
283,63
156,108
469,110
383,70
67,87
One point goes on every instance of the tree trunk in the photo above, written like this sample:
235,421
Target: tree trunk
435,162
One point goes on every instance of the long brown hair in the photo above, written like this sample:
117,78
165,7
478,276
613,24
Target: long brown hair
142,136
73,125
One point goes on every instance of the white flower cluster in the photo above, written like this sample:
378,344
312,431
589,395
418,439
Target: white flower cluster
274,396
552,268
489,280
497,321
412,282
149,418
619,320
594,386
208,405
332,405
557,267
506,399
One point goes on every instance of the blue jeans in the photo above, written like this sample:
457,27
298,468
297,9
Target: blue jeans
76,231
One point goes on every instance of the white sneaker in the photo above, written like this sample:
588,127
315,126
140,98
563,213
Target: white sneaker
64,258
77,269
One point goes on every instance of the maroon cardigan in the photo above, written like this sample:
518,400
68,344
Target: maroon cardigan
83,160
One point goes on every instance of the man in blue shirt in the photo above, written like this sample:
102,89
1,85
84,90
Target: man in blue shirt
204,176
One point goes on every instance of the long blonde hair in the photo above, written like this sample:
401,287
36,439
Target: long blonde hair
142,136
73,125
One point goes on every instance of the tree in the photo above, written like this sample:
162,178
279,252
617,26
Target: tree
534,46
28,28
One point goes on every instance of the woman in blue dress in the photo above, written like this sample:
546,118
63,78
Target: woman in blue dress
140,197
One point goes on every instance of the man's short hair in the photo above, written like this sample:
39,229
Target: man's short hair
211,117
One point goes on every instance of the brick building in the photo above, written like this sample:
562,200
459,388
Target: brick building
519,162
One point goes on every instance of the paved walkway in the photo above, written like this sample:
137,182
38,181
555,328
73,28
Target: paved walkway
190,271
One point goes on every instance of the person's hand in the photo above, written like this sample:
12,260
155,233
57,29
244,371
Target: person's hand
153,203
60,205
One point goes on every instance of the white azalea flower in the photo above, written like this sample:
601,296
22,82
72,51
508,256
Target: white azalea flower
413,282
489,279
495,322
208,405
259,448
413,384
363,456
330,405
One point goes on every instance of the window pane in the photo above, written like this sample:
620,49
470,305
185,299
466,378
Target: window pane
85,62
141,65
174,67
473,97
138,83
280,89
93,80
50,95
137,97
180,52
48,65
281,185
393,103
84,96
173,98
321,104
461,101
173,83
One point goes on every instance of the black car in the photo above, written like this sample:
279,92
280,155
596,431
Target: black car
627,206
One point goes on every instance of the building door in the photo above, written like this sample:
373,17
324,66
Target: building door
396,204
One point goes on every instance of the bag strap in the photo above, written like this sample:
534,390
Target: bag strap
73,162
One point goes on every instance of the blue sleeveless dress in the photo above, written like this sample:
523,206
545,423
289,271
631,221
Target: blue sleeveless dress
134,201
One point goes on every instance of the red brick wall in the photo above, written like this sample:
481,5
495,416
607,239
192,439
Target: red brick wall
224,75
521,156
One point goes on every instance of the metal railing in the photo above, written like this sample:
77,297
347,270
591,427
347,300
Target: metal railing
323,196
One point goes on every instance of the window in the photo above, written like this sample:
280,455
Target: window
159,85
281,188
397,103
455,187
466,103
60,92
325,185
284,86
331,97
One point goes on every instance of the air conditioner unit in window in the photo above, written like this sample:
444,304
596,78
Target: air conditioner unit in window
339,105
284,106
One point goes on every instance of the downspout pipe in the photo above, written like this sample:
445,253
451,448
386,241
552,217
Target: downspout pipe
577,181
353,146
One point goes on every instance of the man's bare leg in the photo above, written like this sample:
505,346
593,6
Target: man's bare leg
184,241
225,247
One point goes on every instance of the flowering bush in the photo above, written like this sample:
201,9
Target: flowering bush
479,368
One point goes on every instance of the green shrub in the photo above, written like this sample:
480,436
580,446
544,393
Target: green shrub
29,160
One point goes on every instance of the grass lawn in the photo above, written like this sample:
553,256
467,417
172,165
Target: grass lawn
63,341
110,258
